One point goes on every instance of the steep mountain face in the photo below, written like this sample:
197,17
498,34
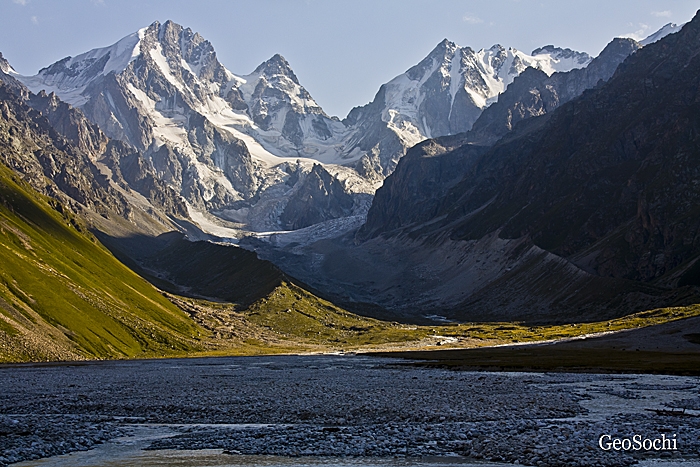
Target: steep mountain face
276,101
598,191
77,162
535,93
445,94
143,90
414,193
48,162
670,28
619,164
318,198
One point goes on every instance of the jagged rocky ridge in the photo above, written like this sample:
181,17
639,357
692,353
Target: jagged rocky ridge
535,93
47,160
223,141
65,156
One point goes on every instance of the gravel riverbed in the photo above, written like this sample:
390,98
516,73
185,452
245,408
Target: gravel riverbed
344,406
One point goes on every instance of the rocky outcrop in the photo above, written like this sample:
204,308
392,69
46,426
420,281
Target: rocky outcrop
319,197
131,170
535,93
70,123
414,193
49,163
225,152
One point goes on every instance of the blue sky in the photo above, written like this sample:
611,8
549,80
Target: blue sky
342,51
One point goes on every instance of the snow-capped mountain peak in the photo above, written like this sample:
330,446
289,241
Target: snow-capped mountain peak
273,87
5,66
69,76
236,146
564,59
446,92
177,53
442,54
276,65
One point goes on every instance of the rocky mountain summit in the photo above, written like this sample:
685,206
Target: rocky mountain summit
444,94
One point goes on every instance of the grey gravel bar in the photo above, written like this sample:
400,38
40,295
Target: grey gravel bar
315,407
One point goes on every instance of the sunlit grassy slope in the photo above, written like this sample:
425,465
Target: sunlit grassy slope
63,296
293,312
292,319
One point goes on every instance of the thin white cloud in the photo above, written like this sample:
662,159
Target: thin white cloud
641,33
661,14
98,2
20,2
471,19
35,20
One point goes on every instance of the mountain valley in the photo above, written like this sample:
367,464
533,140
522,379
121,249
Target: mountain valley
478,186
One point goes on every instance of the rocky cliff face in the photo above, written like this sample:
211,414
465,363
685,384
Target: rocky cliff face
49,163
71,149
415,192
319,197
70,123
